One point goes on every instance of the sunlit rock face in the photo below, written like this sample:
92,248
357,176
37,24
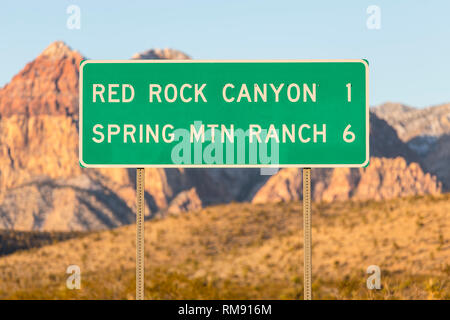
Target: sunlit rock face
383,179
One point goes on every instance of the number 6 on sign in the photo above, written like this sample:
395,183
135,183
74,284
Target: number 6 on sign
348,133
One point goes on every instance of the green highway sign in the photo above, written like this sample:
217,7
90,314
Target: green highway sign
188,113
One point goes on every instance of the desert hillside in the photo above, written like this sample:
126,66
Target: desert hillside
240,251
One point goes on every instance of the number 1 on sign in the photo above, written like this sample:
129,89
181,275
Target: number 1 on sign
349,92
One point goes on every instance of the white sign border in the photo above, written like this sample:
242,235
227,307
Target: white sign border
80,119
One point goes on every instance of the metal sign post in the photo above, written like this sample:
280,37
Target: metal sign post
307,292
140,209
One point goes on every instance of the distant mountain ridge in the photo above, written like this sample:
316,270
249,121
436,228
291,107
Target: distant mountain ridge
411,123
42,186
425,131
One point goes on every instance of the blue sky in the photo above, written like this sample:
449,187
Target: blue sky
408,55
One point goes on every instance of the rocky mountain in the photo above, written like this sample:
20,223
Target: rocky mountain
384,141
383,179
166,53
425,131
42,186
46,86
410,123
438,158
